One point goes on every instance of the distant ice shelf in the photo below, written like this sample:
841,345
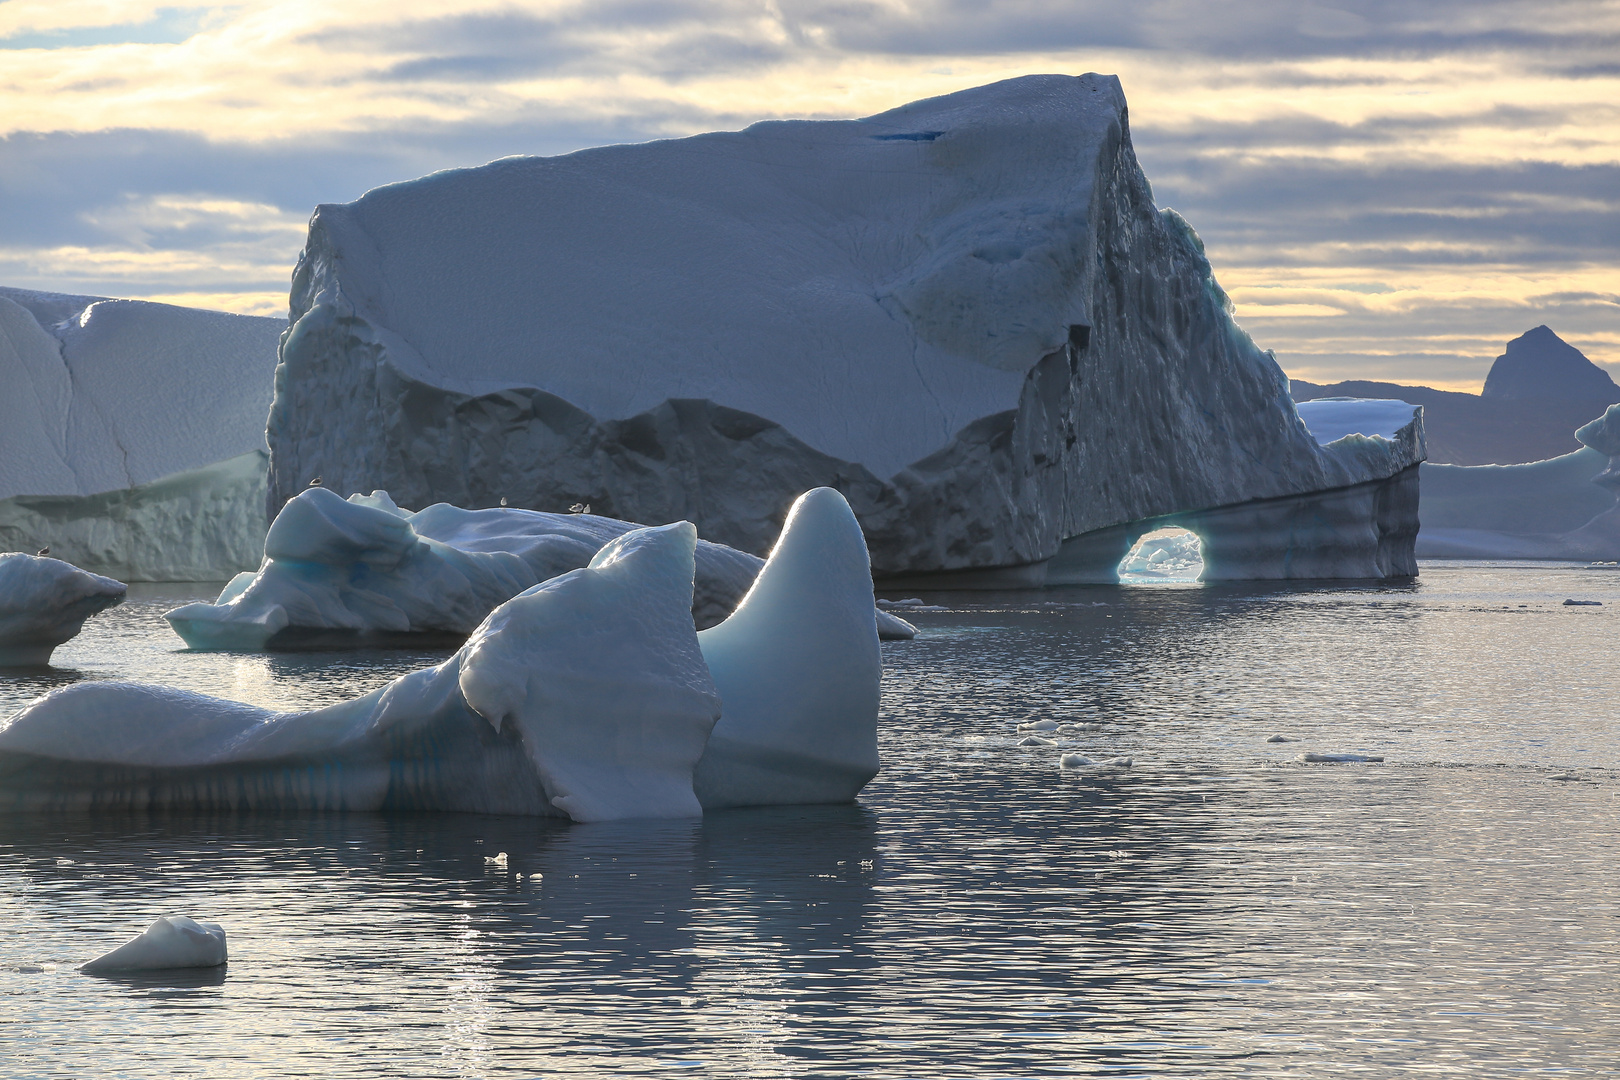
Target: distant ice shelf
132,434
1561,508
589,695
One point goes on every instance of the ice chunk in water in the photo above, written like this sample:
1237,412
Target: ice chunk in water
44,602
172,941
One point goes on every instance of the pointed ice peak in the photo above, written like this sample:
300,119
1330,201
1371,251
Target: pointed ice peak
798,669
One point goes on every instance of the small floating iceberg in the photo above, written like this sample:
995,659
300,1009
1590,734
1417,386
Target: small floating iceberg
587,695
173,941
44,602
1079,762
358,571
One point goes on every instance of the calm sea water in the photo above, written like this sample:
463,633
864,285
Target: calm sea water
1220,908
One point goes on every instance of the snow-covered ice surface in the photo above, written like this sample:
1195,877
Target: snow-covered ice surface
172,941
109,394
798,669
362,569
1331,419
1561,508
586,695
966,314
43,603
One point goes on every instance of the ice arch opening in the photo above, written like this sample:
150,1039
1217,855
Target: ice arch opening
1168,554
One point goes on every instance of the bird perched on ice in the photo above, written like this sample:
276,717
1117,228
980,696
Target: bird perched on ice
580,508
315,482
46,550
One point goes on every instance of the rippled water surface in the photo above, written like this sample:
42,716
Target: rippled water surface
1218,908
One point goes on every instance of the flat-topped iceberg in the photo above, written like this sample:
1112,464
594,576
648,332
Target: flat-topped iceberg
361,570
587,695
132,434
965,314
44,603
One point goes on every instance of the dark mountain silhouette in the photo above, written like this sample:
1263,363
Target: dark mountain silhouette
1537,393
1541,366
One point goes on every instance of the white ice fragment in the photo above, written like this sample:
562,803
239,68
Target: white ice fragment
496,860
893,628
887,605
798,669
44,602
1039,725
172,941
1337,757
1281,739
1077,761
1035,740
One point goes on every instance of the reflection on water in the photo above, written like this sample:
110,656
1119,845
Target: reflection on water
1220,908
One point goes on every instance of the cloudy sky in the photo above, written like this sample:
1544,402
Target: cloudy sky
1388,188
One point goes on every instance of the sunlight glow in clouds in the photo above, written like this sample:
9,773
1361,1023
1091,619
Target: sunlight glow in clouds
1385,192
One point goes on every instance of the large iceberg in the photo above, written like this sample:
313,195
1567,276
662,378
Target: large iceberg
588,695
363,571
127,430
43,603
965,314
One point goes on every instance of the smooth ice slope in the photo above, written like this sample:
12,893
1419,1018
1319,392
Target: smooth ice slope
108,394
172,941
339,571
966,314
43,603
798,669
585,695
